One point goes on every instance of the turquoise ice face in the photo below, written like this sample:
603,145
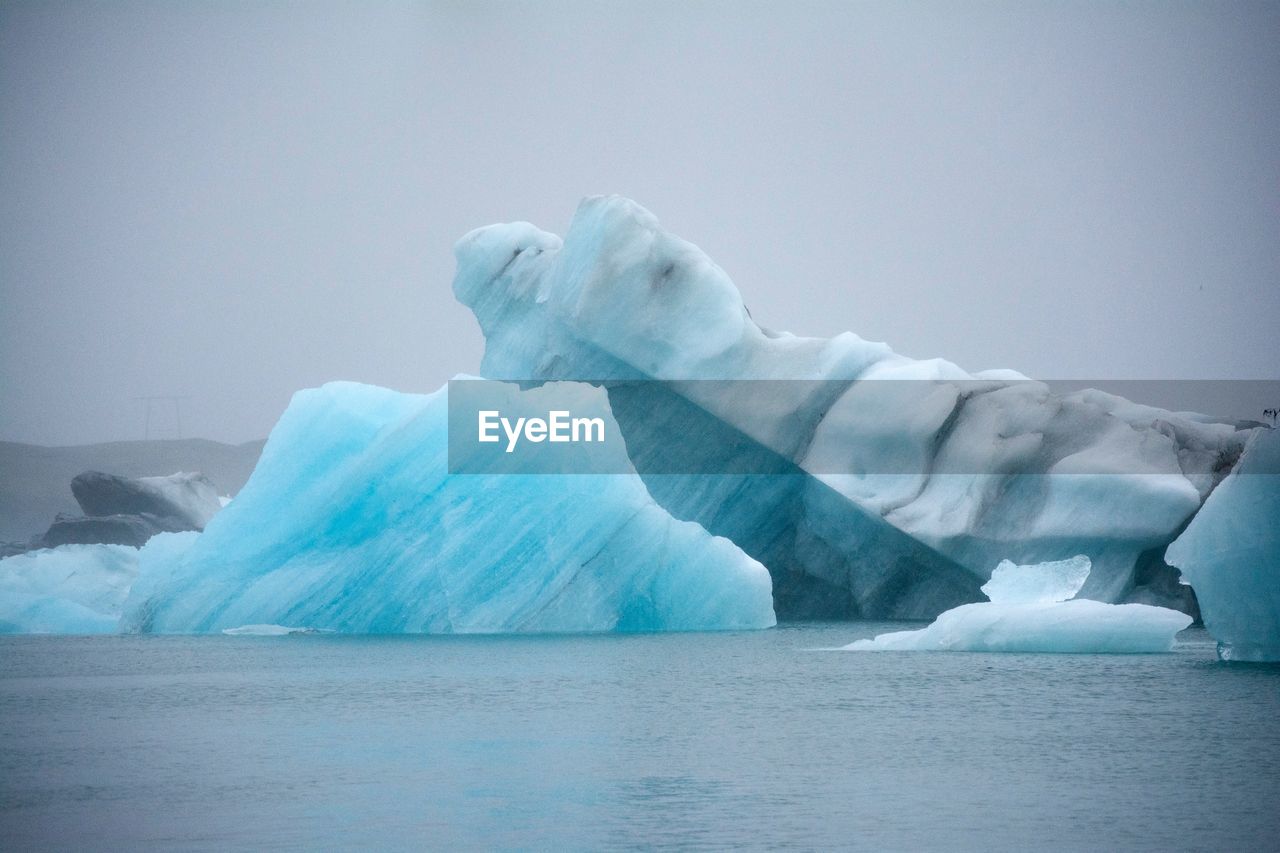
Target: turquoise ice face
1230,553
352,522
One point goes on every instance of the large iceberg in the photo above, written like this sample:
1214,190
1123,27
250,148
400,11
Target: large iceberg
1230,553
352,522
885,498
1030,611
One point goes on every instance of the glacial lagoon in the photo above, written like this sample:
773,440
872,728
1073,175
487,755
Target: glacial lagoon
699,740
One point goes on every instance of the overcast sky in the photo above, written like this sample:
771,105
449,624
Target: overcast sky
234,201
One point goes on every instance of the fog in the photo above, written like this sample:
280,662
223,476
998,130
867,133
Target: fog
229,202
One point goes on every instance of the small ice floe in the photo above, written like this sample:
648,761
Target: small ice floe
1032,609
267,631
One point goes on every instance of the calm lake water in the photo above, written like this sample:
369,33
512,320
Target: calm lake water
689,740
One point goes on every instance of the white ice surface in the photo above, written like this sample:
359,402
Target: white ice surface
1043,583
191,495
264,631
1028,614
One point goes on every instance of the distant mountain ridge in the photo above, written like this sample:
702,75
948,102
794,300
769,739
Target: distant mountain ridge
35,481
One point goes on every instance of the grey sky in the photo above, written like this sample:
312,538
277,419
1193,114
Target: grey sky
232,201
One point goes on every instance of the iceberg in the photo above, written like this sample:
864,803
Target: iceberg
352,522
71,589
1030,611
185,500
28,613
122,510
885,486
79,589
1230,554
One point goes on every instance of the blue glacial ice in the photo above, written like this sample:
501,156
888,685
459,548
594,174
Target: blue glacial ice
987,465
1030,610
75,589
1230,554
1046,583
71,589
351,522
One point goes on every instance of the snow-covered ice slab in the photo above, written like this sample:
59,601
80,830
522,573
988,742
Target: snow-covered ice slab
1029,611
1230,554
351,522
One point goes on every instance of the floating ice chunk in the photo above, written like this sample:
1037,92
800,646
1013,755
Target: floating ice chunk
351,522
1028,615
1067,627
1230,554
266,631
1043,583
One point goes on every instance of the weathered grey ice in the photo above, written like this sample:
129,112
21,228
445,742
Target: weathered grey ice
980,465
